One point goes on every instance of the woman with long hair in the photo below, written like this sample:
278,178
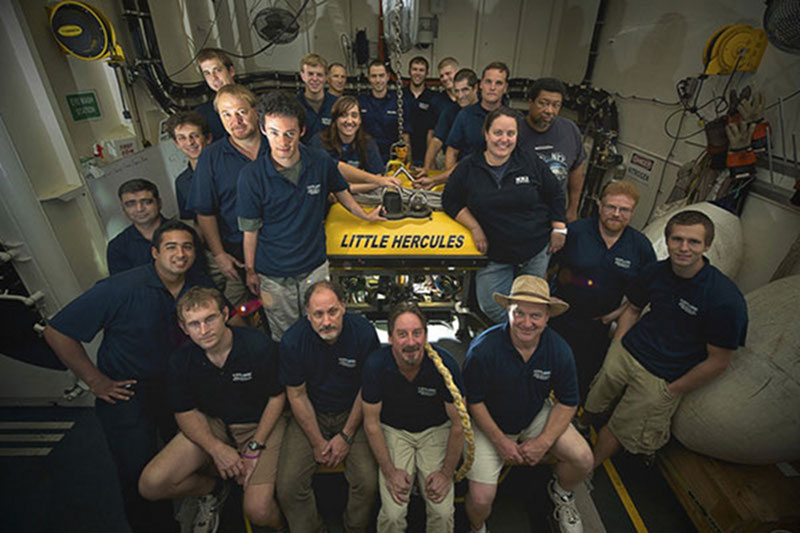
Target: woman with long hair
346,141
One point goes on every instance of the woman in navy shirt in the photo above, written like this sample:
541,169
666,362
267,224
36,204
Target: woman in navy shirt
513,206
346,141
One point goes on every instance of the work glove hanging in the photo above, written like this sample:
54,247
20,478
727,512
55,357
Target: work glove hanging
741,158
752,111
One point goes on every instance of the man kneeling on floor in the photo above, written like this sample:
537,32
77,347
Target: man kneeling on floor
509,372
228,402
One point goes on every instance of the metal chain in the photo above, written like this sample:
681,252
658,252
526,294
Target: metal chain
395,56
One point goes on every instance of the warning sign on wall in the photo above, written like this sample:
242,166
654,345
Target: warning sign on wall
640,167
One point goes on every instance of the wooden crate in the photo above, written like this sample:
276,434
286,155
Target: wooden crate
724,497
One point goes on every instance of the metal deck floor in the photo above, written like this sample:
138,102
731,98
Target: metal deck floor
65,482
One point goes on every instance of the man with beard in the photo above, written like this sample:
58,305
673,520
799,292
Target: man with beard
556,140
132,247
322,357
136,311
412,425
600,258
214,188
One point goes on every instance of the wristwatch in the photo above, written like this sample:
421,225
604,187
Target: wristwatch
347,438
255,446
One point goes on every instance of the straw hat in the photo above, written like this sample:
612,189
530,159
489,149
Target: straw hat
531,289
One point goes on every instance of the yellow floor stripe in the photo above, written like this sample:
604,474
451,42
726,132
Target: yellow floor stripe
622,492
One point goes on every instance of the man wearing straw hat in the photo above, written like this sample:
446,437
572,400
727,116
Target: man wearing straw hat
509,372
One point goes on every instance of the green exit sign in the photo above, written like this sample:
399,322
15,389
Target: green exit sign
84,106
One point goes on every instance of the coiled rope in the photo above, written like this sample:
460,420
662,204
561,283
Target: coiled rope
461,407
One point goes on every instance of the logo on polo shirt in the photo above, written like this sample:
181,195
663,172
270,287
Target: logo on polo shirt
347,363
543,375
313,189
622,263
687,307
521,180
426,391
423,105
326,121
242,376
391,112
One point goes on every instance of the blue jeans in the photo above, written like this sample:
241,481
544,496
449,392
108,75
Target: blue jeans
498,277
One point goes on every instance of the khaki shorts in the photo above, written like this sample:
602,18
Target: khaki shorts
642,418
488,463
282,298
267,464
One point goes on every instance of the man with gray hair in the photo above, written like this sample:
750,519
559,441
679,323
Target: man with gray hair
322,356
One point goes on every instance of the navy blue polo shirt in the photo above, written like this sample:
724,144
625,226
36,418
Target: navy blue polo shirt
441,102
514,390
379,119
592,277
466,133
516,213
128,249
409,405
291,240
445,122
349,155
214,185
331,372
238,392
685,315
137,315
183,184
423,118
316,121
212,118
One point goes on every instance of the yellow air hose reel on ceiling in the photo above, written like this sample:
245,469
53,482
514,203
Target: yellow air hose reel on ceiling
734,47
83,31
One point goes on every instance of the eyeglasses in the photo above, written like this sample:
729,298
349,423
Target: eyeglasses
208,321
614,208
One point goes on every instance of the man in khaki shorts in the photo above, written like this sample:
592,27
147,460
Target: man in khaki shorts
509,372
228,403
698,318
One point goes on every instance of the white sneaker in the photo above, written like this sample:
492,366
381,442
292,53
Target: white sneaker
208,509
566,513
569,521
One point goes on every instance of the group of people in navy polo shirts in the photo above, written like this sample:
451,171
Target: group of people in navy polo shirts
192,400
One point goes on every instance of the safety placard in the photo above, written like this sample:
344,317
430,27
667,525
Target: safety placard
84,106
640,167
